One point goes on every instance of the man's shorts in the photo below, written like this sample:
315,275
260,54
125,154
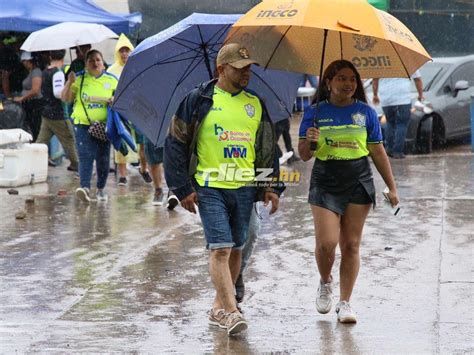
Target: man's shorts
131,157
139,137
154,155
225,215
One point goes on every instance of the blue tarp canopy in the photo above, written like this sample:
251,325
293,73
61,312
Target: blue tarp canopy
33,15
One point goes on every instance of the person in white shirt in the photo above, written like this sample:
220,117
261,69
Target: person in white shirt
395,98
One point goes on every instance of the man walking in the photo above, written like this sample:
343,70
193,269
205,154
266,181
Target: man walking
54,121
219,137
395,97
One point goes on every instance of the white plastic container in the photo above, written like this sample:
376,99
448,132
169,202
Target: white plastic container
15,136
27,164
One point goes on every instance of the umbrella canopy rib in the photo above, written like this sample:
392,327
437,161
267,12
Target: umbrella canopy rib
203,46
178,41
190,69
403,64
164,61
276,47
220,33
340,44
186,73
271,90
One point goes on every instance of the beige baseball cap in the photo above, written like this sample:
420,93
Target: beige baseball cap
235,55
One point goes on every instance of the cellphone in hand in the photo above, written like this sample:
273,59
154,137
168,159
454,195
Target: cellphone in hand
395,210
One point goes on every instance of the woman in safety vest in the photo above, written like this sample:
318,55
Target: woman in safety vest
91,90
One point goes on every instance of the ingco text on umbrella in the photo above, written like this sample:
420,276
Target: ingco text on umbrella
283,11
381,61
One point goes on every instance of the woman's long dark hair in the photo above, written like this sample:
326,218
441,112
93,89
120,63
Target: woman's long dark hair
331,72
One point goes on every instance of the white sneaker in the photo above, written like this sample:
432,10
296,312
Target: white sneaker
345,314
324,297
284,158
101,195
82,193
158,197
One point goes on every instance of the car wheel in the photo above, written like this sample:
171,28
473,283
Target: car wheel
424,140
438,138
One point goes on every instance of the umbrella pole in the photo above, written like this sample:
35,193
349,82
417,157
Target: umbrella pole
207,61
313,145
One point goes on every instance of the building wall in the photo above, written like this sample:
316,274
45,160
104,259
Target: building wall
107,47
160,14
445,27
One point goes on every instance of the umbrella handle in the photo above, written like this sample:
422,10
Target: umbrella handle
313,145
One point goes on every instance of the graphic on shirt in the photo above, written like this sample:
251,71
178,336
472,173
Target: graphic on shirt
235,151
359,119
341,144
250,110
234,136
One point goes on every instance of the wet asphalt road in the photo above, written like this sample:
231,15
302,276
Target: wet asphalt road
125,276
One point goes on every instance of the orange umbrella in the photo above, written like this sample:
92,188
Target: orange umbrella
307,35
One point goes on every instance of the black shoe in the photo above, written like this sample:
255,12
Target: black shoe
71,168
172,202
146,176
122,181
293,159
51,163
239,289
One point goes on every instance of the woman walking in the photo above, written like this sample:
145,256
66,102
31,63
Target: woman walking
31,98
92,90
342,188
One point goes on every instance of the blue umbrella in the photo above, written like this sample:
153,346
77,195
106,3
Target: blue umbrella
165,67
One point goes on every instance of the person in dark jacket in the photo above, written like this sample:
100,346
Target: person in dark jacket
53,120
220,140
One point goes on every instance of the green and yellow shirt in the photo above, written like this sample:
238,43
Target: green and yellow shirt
95,93
344,131
226,140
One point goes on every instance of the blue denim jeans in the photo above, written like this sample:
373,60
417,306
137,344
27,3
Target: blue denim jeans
397,124
313,80
225,215
252,234
90,149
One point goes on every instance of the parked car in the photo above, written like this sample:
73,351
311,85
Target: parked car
448,84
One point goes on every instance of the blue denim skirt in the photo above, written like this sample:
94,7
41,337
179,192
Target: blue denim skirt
336,183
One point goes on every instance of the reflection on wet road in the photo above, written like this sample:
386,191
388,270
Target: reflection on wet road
127,276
